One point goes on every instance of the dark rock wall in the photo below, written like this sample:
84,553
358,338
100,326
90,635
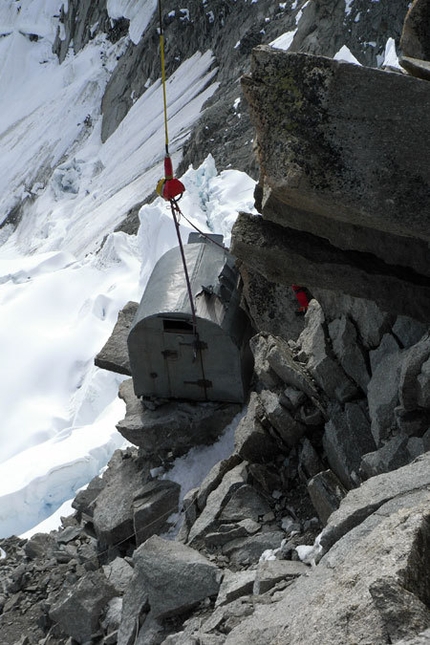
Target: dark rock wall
362,26
414,41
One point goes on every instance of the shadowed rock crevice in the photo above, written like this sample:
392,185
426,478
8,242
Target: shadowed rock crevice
288,256
323,250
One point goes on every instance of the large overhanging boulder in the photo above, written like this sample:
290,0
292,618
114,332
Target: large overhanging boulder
414,43
415,35
343,141
344,160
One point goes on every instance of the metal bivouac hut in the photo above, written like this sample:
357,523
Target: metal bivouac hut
176,354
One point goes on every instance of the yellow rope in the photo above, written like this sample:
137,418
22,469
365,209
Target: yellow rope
163,80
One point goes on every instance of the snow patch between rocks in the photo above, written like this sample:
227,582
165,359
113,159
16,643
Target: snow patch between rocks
138,12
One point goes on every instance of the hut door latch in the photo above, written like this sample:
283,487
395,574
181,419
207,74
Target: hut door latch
199,344
170,353
204,383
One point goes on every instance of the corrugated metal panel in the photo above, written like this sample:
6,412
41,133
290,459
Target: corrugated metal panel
162,346
166,290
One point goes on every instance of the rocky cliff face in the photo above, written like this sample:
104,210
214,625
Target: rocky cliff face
316,528
362,26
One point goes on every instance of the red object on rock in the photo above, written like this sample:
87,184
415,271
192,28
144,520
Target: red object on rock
302,297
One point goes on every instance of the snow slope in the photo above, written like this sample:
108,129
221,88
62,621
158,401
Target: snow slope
64,274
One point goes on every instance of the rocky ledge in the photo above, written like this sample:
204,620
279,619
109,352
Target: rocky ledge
320,513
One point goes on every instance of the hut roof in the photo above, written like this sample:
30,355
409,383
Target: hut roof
210,268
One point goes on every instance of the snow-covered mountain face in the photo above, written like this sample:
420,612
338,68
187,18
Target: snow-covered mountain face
82,142
64,273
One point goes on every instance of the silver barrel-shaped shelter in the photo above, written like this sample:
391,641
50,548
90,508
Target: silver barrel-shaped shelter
167,359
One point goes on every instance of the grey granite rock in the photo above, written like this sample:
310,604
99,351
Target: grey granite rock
114,354
175,576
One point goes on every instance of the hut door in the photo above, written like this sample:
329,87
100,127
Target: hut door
184,369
